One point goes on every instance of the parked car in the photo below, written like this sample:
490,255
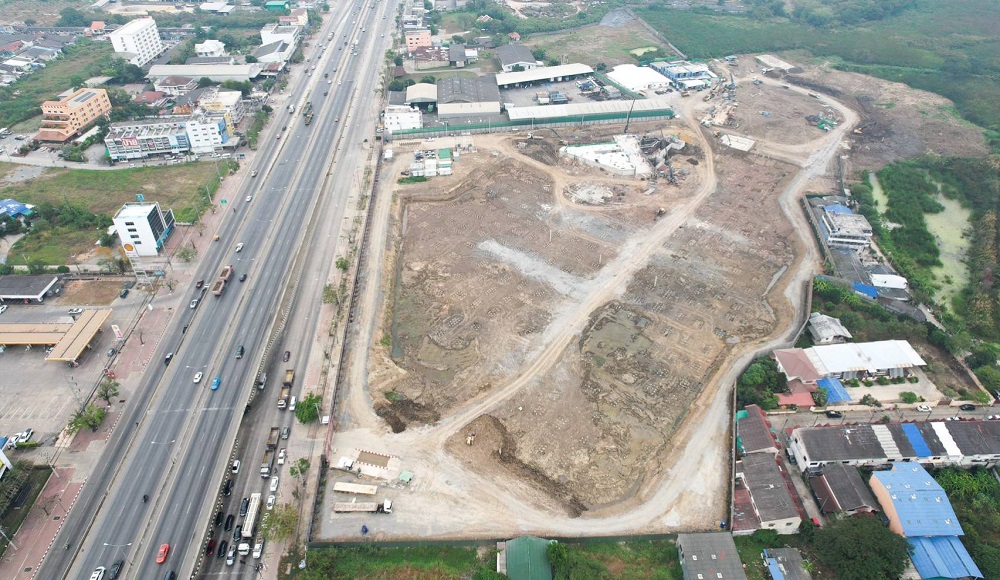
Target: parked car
75,311
923,408
231,557
3,308
285,431
270,502
123,293
236,466
967,407
229,522
244,506
227,490
219,517
281,456
223,548
834,414
210,547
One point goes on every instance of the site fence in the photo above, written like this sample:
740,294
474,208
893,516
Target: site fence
532,124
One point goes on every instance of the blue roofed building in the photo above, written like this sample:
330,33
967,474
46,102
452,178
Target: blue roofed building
14,208
919,510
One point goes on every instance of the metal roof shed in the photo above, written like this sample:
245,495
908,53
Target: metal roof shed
24,287
526,558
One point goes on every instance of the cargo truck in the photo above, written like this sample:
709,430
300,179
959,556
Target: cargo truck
286,388
220,284
272,437
363,506
307,112
266,463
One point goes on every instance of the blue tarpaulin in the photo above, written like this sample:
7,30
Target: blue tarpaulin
835,391
916,440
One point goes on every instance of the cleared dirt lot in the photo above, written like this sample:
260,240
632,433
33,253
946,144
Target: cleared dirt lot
774,113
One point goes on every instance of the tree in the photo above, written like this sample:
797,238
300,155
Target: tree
281,523
70,17
870,401
398,60
109,389
36,267
299,468
908,397
250,59
458,39
307,410
89,418
862,548
205,82
429,79
342,264
820,397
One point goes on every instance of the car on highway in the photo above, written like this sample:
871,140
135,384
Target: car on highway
326,75
219,516
337,120
834,414
330,82
274,483
98,573
122,294
3,308
193,304
239,247
216,382
967,407
210,547
161,556
115,569
231,557
197,376
253,173
168,358
243,278
281,456
236,466
279,137
291,404
285,431
75,311
270,502
229,522
244,506
325,93
237,533
924,408
249,198
223,547
227,490
199,284
240,351
286,356
340,82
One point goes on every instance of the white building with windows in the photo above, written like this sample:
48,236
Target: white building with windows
402,117
143,228
141,139
275,32
138,41
207,133
845,229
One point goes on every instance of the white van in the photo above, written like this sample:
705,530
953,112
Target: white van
98,573
291,405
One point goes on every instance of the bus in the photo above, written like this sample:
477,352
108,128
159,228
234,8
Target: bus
251,519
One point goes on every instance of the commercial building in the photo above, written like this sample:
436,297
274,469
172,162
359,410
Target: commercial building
208,134
770,492
637,78
64,119
542,74
139,140
215,72
220,60
709,556
277,51
27,288
416,39
891,358
515,57
275,32
919,510
175,85
138,41
219,8
769,61
827,329
143,228
421,94
298,17
462,96
216,101
934,443
685,75
839,489
844,228
210,47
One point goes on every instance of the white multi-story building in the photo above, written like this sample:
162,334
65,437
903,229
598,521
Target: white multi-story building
210,47
846,229
138,41
207,133
274,32
139,140
143,228
402,117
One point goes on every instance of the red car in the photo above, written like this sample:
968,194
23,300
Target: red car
199,284
161,557
210,547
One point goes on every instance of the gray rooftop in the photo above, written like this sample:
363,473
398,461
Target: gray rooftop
789,562
754,432
976,437
851,442
712,555
840,488
511,54
825,328
20,286
209,60
767,487
481,89
397,97
456,53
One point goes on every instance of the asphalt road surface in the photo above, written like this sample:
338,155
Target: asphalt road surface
179,454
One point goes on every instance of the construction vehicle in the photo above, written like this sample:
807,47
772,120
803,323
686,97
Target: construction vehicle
266,463
307,112
220,284
272,438
660,212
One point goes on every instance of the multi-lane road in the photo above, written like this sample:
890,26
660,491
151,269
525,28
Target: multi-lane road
176,440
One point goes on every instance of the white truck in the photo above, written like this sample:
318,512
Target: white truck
384,507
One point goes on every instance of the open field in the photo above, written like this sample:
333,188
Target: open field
47,83
776,114
931,47
44,12
595,44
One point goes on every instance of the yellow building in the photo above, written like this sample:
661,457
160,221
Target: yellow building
64,119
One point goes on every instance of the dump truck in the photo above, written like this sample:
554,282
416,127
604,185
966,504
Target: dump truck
220,284
363,506
286,388
272,438
266,463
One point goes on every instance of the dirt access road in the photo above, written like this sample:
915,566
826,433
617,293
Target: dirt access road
447,499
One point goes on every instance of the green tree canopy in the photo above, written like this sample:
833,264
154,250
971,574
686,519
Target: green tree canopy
861,549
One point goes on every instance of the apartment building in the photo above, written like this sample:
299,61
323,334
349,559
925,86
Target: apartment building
66,118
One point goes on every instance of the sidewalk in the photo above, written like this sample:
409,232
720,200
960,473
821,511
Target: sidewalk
34,538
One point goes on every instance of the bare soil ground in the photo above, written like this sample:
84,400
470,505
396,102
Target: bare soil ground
44,12
777,114
897,121
88,293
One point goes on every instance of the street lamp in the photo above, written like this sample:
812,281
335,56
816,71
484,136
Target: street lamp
119,547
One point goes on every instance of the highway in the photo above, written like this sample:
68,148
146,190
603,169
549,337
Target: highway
175,440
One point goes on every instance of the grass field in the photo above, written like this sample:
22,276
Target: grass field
13,519
948,48
177,187
368,562
47,83
652,560
595,44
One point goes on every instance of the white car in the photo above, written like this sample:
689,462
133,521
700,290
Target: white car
3,308
197,376
236,466
75,311
281,456
194,303
25,436
249,198
239,247
274,483
270,502
924,408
